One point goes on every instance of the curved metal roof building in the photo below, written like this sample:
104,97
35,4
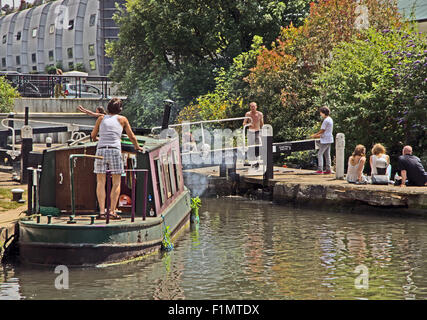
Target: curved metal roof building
70,31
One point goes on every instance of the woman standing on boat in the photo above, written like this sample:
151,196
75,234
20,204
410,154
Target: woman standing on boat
110,128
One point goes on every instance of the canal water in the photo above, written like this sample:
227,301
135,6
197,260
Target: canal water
245,249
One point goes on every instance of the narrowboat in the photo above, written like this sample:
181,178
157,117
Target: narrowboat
154,204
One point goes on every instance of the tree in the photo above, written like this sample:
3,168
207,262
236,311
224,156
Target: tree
282,80
377,88
229,98
186,42
7,96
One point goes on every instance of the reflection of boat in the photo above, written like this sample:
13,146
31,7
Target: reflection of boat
153,182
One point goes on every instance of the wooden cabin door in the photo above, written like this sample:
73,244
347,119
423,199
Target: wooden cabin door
84,181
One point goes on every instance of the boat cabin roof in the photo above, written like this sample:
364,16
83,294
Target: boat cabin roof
149,143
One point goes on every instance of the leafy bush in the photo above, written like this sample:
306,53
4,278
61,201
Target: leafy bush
377,89
185,44
7,96
50,69
80,67
282,80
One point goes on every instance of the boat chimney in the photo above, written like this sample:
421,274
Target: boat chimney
166,114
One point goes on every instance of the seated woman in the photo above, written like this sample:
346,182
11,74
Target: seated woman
356,163
379,160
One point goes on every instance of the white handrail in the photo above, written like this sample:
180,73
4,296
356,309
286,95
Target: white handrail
211,121
201,122
13,154
51,122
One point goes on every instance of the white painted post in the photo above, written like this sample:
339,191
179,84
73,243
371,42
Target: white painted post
48,142
339,151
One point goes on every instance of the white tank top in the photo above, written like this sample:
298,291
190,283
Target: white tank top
110,132
352,175
378,163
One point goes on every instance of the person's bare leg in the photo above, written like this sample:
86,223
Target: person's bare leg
115,192
100,191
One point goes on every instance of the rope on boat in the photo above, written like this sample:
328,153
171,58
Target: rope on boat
167,244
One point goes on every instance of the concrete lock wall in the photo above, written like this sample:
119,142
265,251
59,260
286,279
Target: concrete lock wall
57,105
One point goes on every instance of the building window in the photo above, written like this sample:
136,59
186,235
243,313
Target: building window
71,25
18,60
18,36
34,57
3,62
4,39
51,57
34,68
92,20
91,49
92,64
51,28
34,33
71,65
70,53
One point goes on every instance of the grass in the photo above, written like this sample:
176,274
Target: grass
5,199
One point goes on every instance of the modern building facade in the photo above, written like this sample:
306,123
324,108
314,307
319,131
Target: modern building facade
68,31
419,9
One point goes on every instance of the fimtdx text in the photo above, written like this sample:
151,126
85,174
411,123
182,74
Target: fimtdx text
235,309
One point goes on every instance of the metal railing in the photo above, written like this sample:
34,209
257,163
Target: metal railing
71,127
201,123
74,157
43,85
133,209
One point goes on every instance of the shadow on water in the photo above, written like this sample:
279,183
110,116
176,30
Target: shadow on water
256,250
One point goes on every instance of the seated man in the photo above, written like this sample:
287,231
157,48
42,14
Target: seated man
411,169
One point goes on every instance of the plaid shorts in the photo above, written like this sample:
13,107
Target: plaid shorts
112,161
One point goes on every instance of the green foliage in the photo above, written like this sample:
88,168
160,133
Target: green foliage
186,43
5,198
282,80
7,96
50,69
229,98
80,67
59,65
196,203
167,244
144,106
377,89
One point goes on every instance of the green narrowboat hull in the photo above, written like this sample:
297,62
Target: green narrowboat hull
84,244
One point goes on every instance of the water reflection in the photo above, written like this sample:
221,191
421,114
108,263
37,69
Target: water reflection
255,250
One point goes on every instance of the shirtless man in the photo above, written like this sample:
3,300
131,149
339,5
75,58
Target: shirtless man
256,125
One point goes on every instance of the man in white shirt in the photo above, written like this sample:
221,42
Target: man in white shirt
326,139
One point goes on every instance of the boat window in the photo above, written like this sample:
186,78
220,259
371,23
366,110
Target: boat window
175,168
171,173
160,187
167,175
